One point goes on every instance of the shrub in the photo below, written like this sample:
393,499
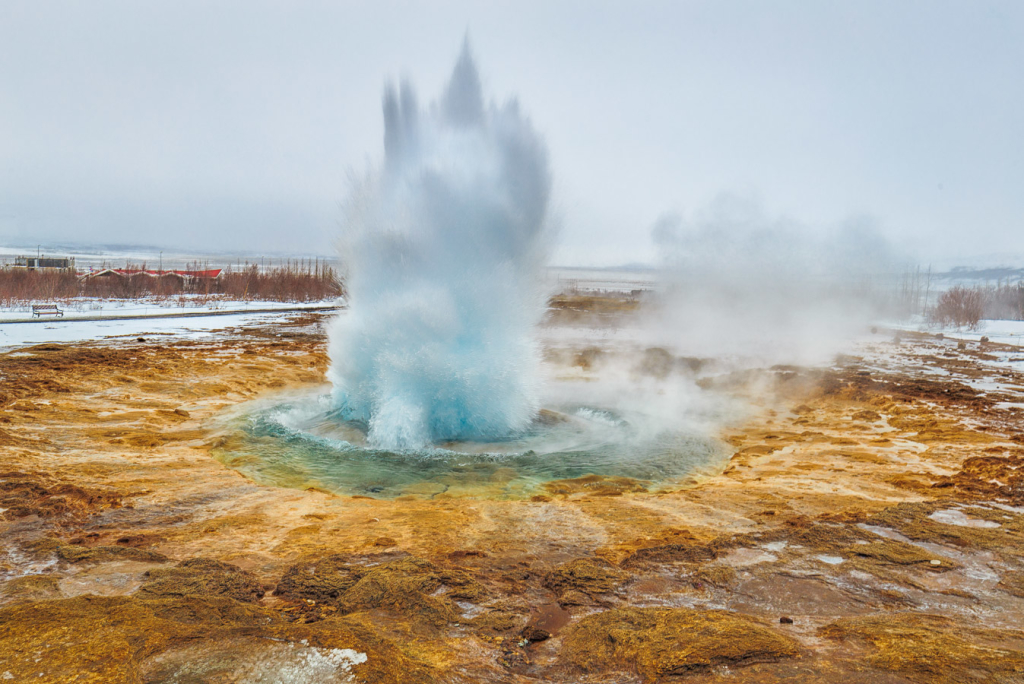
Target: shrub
20,286
1006,301
297,281
960,306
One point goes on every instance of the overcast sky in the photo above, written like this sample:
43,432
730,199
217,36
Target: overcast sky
235,125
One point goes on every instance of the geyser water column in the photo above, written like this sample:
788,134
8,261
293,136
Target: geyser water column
435,365
442,248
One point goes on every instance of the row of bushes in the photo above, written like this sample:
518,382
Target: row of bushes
294,282
965,307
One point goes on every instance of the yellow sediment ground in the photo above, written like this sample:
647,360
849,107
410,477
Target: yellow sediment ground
869,528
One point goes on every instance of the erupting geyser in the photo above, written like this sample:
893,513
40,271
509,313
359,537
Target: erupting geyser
442,246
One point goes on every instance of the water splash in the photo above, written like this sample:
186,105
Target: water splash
443,244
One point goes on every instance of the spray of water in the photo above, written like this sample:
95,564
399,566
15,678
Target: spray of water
443,244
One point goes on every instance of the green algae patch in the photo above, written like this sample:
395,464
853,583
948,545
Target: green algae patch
662,642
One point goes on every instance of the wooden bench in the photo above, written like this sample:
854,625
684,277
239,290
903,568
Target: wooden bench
42,309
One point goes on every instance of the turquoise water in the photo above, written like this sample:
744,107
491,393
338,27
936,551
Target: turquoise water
303,443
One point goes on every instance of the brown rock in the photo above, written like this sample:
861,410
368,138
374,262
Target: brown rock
203,577
672,553
73,553
661,642
595,485
587,575
323,580
534,633
574,598
128,639
930,648
899,553
406,586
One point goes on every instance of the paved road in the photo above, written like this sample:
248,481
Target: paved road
182,314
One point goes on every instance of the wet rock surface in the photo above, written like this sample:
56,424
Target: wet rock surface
869,528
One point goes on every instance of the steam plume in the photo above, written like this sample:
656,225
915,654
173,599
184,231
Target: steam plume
741,283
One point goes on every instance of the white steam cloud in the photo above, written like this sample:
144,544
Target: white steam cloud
740,283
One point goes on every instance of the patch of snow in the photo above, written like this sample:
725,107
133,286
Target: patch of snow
776,545
982,573
1003,332
1005,507
469,610
739,558
884,532
313,664
26,334
952,516
15,564
831,560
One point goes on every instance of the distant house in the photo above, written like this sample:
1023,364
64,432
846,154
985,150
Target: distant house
41,262
183,276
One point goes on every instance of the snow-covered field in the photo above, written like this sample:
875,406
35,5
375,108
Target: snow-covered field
93,319
92,308
1003,332
13,335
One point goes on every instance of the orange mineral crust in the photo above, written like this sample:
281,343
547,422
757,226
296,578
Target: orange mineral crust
868,526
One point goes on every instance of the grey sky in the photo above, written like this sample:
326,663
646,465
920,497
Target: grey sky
233,125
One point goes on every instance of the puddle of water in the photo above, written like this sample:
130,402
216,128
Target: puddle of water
15,564
107,579
550,617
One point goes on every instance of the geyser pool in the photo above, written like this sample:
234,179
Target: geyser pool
300,441
442,247
435,365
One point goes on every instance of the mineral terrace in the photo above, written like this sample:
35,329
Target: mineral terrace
869,528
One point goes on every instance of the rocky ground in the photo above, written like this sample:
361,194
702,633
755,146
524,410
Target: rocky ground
869,528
